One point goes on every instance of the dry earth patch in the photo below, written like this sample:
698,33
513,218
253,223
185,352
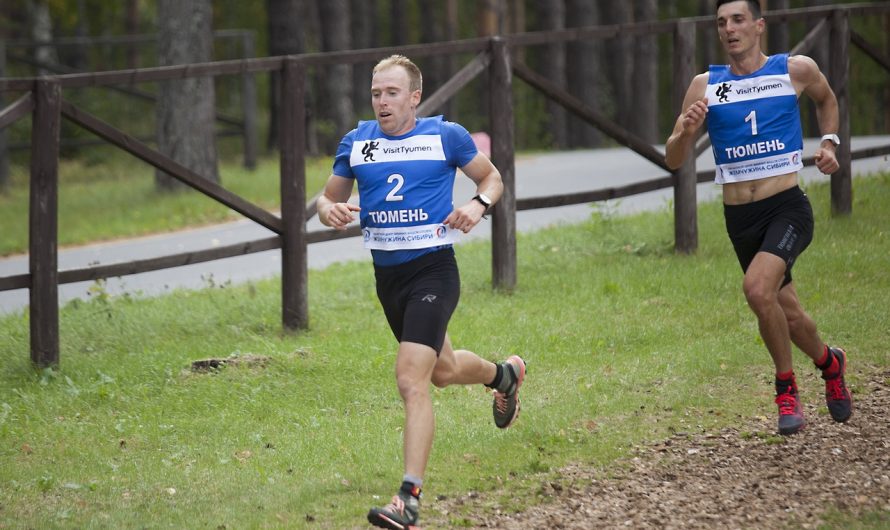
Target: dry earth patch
739,477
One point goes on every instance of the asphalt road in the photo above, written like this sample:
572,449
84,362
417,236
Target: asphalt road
536,175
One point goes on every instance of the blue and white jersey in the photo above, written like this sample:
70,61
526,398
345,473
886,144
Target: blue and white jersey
405,185
754,122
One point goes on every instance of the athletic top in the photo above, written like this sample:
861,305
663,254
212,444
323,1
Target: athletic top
405,185
754,122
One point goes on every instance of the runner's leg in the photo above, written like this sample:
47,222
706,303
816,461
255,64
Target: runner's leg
761,286
414,369
461,367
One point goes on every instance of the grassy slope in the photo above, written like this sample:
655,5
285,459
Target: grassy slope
117,198
626,342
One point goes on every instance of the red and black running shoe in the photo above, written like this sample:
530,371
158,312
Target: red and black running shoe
791,418
837,396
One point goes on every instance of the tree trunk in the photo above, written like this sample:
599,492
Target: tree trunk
820,54
708,42
4,148
286,37
583,64
42,31
644,121
131,27
491,17
619,59
185,111
777,32
515,16
337,100
315,84
552,64
886,106
450,108
435,67
364,25
489,22
399,31
79,57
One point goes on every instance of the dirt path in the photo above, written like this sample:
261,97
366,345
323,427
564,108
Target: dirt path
741,477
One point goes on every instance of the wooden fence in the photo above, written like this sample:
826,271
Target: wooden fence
44,100
242,41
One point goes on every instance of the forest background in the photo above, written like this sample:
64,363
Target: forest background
612,75
136,413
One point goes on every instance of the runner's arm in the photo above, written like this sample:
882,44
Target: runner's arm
808,79
690,120
488,182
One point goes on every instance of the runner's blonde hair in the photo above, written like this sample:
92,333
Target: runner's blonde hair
414,75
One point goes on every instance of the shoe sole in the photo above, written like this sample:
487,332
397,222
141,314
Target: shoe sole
381,521
795,430
519,381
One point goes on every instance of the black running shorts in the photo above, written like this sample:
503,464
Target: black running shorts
418,297
781,225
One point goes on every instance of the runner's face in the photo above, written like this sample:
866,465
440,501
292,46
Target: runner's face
738,30
394,103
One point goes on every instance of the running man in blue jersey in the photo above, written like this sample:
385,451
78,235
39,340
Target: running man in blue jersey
405,168
751,110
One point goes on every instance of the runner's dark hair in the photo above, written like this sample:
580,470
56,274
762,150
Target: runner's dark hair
753,6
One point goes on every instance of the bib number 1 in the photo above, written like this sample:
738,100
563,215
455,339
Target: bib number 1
752,117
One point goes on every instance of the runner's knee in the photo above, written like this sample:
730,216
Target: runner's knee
759,294
443,376
411,388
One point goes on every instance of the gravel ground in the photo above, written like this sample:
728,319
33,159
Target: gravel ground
741,477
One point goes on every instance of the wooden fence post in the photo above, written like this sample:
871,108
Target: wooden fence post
294,267
503,224
248,103
685,199
43,223
839,71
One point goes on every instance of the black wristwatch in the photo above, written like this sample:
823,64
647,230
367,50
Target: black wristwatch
484,200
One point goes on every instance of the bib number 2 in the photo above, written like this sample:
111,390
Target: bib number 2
393,194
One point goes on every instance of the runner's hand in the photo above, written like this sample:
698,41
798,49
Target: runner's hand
465,217
826,161
340,214
695,115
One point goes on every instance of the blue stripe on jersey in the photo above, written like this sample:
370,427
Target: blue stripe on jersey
754,122
405,180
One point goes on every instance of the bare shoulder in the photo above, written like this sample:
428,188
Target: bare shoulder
803,69
698,86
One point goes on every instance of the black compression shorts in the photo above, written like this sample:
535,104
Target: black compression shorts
781,225
418,297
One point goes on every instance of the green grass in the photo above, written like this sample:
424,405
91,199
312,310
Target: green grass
116,198
626,342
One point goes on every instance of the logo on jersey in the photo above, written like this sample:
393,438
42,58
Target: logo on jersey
429,298
722,91
759,89
421,147
368,150
732,91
